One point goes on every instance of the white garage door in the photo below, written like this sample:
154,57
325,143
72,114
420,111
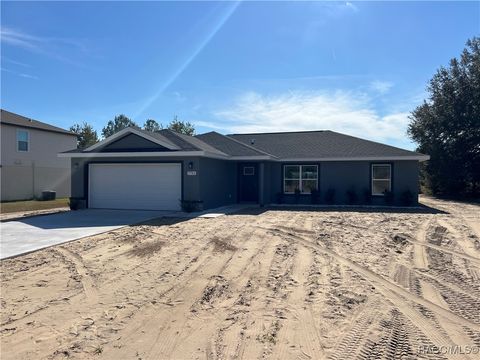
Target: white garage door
135,186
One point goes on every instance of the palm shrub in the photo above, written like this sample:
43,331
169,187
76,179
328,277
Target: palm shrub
352,196
330,196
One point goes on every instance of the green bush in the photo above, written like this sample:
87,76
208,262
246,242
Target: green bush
352,196
76,203
315,194
389,198
330,196
279,196
406,198
297,196
367,196
191,205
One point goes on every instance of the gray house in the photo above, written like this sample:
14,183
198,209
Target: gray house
136,169
29,157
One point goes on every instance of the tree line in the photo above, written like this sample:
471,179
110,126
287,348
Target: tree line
87,135
447,127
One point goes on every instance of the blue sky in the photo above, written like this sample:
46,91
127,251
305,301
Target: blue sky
353,67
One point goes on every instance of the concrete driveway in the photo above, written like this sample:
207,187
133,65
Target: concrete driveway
35,233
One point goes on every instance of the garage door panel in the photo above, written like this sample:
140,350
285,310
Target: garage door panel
135,186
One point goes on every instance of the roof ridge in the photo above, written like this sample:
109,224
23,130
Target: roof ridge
246,145
187,138
280,132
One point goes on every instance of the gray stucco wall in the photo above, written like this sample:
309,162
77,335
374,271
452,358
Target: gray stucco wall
218,182
344,175
215,182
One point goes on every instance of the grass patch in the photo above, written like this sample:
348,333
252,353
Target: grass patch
32,205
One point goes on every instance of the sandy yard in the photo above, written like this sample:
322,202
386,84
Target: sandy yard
265,283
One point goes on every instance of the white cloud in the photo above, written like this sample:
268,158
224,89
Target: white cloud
351,6
28,76
345,112
49,46
381,87
24,75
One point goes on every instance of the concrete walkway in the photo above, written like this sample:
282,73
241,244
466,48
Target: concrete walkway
26,235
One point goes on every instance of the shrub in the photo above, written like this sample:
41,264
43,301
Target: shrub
279,196
367,197
297,195
315,194
406,198
330,196
388,196
76,203
352,196
191,205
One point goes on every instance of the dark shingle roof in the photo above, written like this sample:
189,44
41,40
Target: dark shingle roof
10,118
319,144
186,142
229,145
316,145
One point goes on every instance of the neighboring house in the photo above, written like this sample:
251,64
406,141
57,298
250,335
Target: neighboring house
29,158
136,169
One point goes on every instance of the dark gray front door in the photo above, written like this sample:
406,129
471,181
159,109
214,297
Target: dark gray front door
248,182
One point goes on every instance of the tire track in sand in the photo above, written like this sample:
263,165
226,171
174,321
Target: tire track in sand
89,288
398,296
173,326
420,257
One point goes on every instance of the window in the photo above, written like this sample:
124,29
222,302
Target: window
248,170
302,177
23,142
381,179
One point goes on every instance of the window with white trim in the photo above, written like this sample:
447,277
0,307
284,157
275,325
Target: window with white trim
301,177
23,141
381,179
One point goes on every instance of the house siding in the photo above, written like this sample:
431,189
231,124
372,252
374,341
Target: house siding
214,181
344,175
218,182
24,175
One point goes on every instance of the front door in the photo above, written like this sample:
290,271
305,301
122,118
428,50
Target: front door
248,182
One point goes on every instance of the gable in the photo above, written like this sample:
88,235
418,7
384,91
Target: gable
132,142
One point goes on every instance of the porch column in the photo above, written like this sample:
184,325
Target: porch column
261,187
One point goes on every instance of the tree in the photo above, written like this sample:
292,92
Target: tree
86,135
120,122
151,125
447,126
182,127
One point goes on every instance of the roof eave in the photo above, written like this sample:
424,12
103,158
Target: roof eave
26,126
419,157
